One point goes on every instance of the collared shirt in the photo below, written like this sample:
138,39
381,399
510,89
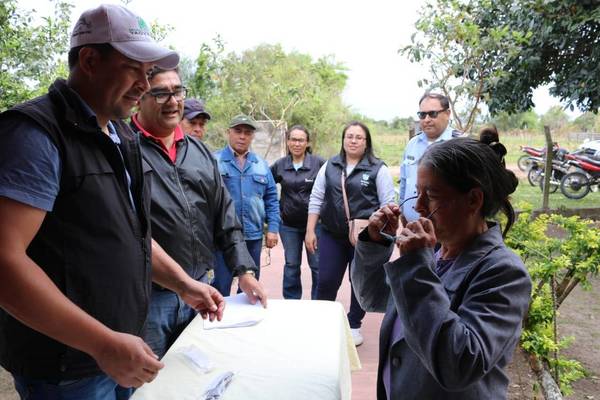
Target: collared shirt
408,170
239,158
172,151
30,163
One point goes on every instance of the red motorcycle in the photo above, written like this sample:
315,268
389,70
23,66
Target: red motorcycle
524,162
577,184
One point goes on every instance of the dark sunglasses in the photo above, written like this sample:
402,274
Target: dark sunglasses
391,238
432,114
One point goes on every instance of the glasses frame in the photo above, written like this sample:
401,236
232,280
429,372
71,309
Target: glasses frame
357,138
432,114
183,89
394,238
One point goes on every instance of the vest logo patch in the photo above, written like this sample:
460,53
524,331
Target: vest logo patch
364,180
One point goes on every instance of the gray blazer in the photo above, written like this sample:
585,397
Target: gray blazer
460,331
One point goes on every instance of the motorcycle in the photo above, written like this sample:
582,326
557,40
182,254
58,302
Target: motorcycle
577,184
524,162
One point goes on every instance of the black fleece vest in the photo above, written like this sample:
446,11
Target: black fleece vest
361,190
93,245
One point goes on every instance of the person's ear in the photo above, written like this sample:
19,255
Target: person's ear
89,60
475,199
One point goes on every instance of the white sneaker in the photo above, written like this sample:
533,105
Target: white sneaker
357,338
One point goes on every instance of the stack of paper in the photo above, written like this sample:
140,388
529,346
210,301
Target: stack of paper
239,312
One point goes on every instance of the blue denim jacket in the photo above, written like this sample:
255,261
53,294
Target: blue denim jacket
253,191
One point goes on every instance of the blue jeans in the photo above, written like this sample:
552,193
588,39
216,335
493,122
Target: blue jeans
167,318
336,254
293,241
99,387
223,276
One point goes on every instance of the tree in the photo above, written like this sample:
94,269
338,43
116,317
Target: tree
585,122
564,52
464,53
270,84
555,118
528,120
31,56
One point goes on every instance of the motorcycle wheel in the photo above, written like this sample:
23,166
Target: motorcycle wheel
553,185
534,175
523,162
575,185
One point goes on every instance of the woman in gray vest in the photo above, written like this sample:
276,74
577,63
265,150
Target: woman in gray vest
368,186
452,317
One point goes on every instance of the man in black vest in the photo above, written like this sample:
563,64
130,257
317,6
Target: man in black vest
192,212
76,256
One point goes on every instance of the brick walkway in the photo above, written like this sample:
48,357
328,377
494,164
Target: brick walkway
363,381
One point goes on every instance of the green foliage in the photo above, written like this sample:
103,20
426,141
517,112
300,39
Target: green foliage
555,118
32,55
465,53
527,120
270,84
567,248
562,52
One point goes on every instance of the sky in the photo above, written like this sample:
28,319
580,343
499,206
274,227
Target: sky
363,35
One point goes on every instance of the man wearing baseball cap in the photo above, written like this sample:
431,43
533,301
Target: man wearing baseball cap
248,178
195,117
76,256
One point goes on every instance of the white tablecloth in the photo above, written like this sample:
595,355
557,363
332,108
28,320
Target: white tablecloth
301,350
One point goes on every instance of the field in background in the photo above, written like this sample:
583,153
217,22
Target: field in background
390,148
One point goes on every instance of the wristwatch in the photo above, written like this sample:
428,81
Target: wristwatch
248,271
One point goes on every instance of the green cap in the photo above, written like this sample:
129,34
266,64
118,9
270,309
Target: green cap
243,120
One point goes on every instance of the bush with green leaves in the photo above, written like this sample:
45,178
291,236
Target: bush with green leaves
566,249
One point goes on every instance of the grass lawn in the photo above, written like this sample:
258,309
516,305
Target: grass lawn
533,195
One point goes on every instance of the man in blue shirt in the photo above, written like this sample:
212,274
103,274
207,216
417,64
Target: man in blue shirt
251,185
434,115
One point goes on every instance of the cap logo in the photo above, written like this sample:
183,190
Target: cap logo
83,26
142,28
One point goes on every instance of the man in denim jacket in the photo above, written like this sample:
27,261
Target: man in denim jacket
248,178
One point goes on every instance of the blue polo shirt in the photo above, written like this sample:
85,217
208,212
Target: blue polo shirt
408,170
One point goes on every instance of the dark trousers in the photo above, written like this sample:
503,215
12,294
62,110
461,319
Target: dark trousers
223,276
335,254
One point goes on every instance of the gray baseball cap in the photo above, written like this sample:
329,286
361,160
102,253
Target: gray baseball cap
243,120
123,30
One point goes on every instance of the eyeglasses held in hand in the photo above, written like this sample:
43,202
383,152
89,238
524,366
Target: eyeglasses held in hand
392,238
162,97
267,258
432,114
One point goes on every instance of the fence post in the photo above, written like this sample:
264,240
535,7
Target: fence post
547,168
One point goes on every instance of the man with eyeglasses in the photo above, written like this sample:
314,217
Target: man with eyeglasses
192,213
434,116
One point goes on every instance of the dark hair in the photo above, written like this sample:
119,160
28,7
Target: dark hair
444,102
157,70
368,151
299,128
489,134
466,163
103,48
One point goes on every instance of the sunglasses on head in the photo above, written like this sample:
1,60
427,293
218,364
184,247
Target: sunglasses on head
432,114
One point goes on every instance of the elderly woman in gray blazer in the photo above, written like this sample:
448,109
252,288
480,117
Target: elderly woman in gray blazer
452,316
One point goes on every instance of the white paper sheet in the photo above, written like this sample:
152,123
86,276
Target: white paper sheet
239,312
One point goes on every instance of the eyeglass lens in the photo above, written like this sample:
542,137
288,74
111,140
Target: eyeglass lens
432,114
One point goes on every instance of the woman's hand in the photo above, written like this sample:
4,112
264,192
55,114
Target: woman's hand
386,219
310,241
417,235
